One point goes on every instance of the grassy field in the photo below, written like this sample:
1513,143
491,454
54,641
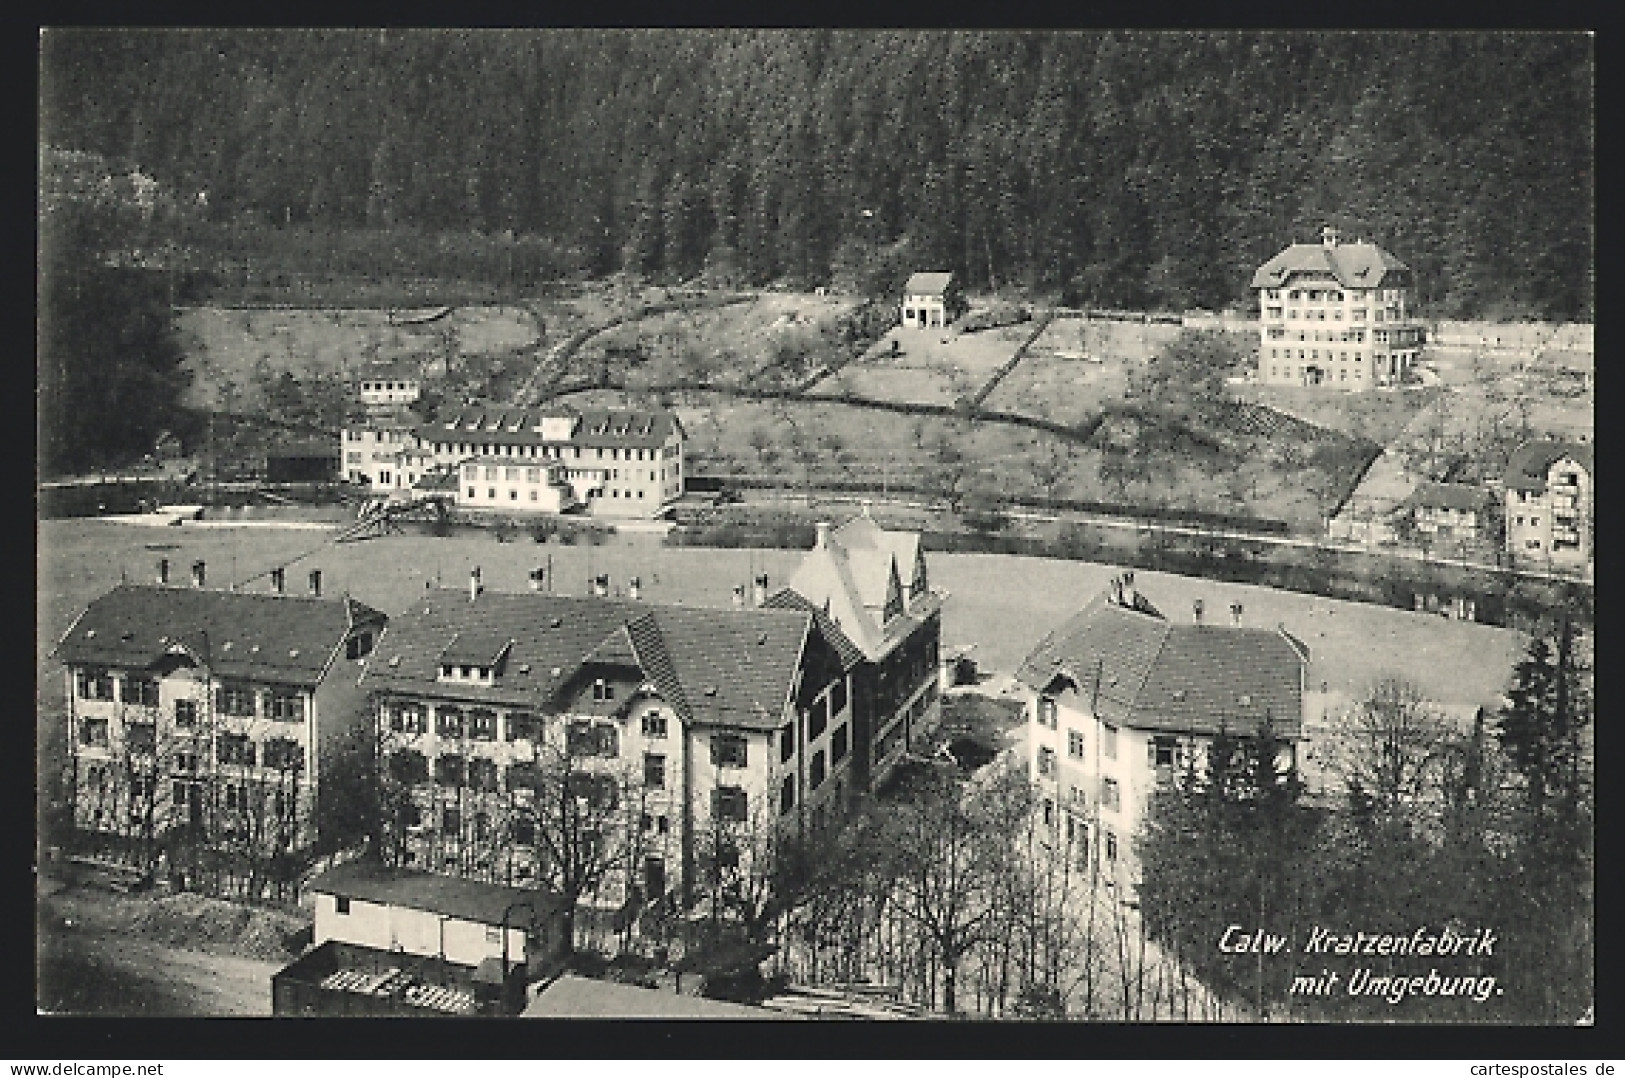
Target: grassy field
1064,390
930,366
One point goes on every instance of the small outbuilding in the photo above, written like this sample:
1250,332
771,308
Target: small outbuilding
931,300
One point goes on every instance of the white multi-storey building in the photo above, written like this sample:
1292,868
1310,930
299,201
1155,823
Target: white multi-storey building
1549,504
1335,314
1120,698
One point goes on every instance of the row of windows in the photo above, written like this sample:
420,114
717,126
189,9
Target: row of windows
549,452
480,724
283,705
140,738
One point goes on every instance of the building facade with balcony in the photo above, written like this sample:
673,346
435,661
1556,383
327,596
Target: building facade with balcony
1550,504
1447,512
869,589
505,719
1335,314
213,713
1120,699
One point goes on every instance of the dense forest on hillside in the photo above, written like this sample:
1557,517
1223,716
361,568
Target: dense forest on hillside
1120,168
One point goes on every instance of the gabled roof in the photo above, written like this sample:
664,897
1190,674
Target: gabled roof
715,666
1354,265
476,646
790,599
1140,670
928,284
393,370
450,896
852,573
1461,496
1529,464
249,635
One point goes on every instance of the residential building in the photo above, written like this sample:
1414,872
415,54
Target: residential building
676,724
1120,699
1335,314
215,713
1447,512
614,463
869,590
396,383
931,300
1549,504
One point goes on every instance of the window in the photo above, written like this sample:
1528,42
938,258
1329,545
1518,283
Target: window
1109,797
524,831
448,721
1049,813
1046,712
837,697
787,794
654,771
286,706
1111,847
235,749
482,774
603,690
451,821
284,754
141,738
815,773
140,690
449,771
1163,751
817,720
409,768
235,700
787,743
730,803
406,718
358,646
341,904
728,750
482,724
1046,761
838,743
522,726
1074,744
471,493
654,725
1108,742
93,732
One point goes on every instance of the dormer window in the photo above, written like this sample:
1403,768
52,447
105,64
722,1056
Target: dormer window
603,690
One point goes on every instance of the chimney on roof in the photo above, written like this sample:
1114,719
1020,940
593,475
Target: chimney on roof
163,570
537,575
1116,587
634,588
1130,596
1235,614
316,583
600,585
474,585
1196,609
1328,236
739,595
197,574
279,580
758,591
823,534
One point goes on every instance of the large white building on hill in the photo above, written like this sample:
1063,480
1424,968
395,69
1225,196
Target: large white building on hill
1335,314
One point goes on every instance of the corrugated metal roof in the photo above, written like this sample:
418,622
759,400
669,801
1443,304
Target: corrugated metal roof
256,636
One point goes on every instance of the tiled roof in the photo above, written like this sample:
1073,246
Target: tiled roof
717,666
255,636
477,645
466,900
395,370
1355,265
1143,671
1528,467
1449,496
600,427
928,284
790,599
